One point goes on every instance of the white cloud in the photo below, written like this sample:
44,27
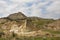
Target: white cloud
52,11
20,1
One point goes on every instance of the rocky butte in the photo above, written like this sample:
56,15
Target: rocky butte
18,25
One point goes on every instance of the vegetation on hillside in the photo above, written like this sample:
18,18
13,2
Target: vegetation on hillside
32,23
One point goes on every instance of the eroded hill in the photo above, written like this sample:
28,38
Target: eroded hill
17,25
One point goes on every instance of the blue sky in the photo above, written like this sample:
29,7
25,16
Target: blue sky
39,8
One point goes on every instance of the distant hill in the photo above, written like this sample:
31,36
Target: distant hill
16,16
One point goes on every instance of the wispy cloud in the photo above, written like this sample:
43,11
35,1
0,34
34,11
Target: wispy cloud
40,8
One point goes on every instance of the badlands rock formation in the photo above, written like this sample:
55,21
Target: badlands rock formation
21,25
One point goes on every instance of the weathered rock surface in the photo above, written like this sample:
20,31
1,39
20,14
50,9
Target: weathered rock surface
17,16
21,25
